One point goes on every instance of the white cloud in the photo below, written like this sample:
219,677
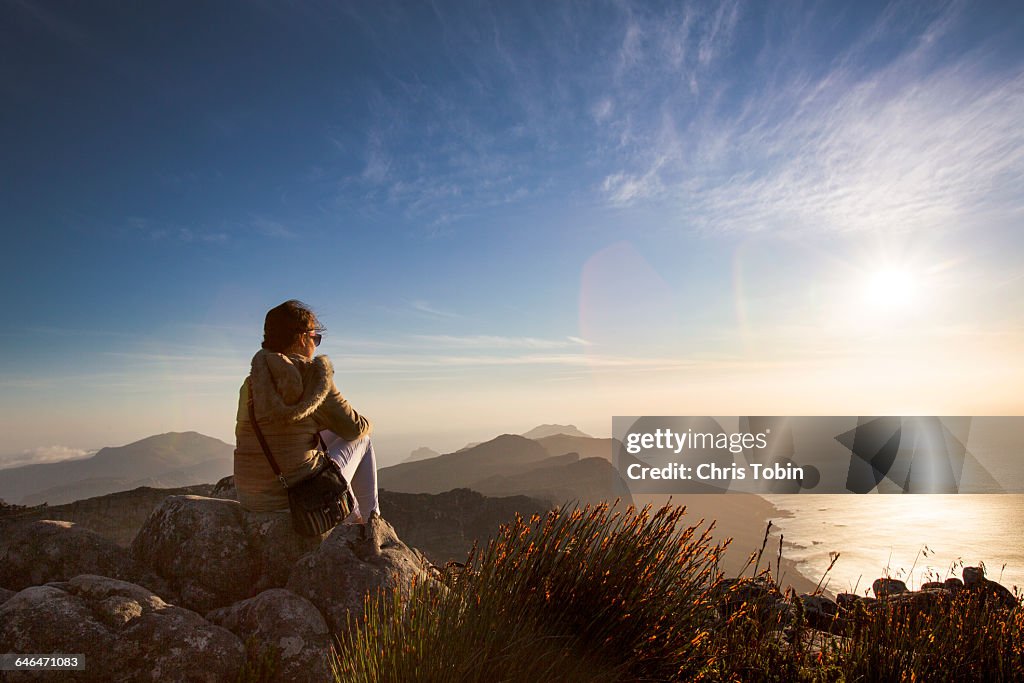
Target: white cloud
602,109
498,342
271,228
44,454
927,141
426,307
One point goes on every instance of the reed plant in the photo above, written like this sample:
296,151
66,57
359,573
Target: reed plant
610,594
594,593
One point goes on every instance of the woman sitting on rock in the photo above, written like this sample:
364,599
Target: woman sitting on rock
296,402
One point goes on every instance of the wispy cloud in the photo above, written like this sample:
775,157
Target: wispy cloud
270,228
426,308
928,140
495,342
44,454
160,230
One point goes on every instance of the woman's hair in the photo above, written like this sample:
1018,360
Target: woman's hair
285,323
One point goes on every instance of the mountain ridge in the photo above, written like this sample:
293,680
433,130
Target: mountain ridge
152,457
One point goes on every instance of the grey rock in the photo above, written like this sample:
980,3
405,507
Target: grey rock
205,553
6,595
42,551
912,603
282,622
125,632
443,526
352,562
846,601
225,488
973,576
885,587
821,613
731,594
990,591
940,585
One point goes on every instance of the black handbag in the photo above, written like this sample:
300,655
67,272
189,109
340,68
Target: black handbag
318,502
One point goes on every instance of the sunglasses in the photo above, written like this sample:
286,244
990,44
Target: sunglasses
316,337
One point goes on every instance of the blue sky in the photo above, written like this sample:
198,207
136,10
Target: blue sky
509,213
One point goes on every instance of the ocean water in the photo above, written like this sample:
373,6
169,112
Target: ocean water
916,538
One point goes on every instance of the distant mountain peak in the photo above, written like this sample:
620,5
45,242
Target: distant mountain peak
422,453
545,430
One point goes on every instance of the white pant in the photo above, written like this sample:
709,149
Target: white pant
359,467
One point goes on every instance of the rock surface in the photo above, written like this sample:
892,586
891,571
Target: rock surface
351,562
758,594
39,552
991,591
283,623
125,632
885,586
821,613
205,553
442,526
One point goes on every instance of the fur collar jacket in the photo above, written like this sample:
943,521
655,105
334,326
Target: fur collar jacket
289,388
293,398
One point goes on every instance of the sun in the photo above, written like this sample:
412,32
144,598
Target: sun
890,289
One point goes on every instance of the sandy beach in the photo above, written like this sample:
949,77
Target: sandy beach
743,518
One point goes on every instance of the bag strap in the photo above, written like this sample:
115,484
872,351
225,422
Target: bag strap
262,440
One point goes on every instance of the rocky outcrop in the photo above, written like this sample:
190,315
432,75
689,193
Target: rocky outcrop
442,526
821,613
886,586
125,632
205,553
351,562
48,550
990,591
210,556
756,593
285,628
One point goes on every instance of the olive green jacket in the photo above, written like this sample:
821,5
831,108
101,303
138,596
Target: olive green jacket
294,398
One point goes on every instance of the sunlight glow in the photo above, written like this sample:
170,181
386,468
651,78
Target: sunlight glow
890,289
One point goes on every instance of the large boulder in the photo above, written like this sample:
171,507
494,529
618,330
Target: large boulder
285,628
205,553
42,551
885,587
821,613
758,593
443,526
990,591
352,562
125,632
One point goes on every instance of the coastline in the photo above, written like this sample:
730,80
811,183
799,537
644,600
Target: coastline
742,517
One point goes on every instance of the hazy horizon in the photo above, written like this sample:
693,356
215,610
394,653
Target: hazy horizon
391,449
507,214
